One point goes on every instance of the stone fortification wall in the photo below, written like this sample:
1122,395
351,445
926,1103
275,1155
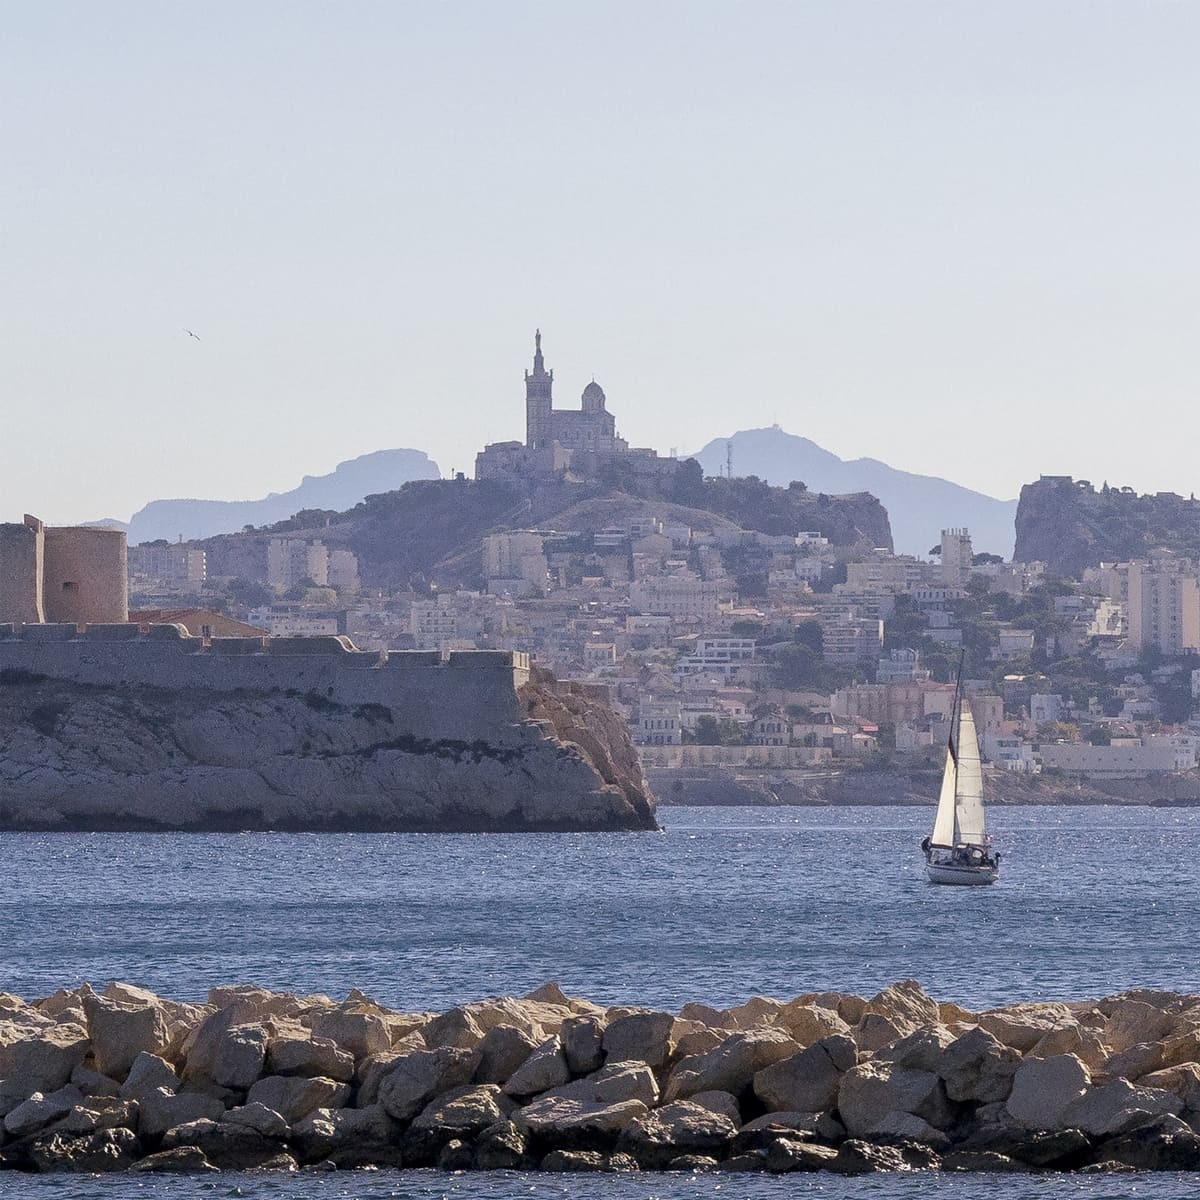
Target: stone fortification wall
22,548
471,695
86,576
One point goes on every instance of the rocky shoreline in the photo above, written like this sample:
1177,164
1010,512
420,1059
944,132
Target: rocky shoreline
122,1080
858,788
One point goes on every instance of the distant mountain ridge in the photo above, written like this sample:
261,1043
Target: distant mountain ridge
345,486
918,506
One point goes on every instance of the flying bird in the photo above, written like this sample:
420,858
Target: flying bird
191,334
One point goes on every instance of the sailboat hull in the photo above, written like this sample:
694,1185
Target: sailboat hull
963,875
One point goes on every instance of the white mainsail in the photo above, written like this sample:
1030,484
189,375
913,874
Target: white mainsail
968,793
959,817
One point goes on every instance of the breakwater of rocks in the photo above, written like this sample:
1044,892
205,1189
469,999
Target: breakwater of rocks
124,1080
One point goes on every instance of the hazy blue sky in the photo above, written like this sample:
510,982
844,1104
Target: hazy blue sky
960,237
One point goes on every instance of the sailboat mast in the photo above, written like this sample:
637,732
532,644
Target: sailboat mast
956,706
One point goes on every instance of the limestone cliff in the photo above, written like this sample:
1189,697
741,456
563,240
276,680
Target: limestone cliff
86,757
1070,525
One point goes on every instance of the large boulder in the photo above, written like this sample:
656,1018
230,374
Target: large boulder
1117,1108
350,1137
40,1111
1072,1038
228,1146
460,1114
977,1068
544,1069
358,1030
808,1081
808,1023
313,1056
639,1037
230,1056
906,1005
456,1028
465,1111
1182,1081
657,1137
416,1078
147,1074
248,1004
40,1061
160,1110
872,1093
92,1154
1133,1022
121,1030
754,1013
1153,1148
257,1116
583,1044
98,1113
566,1123
732,1066
500,1147
613,1083
295,1096
1044,1088
502,1052
1022,1026
922,1051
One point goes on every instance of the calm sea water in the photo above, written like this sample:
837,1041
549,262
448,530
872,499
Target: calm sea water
725,904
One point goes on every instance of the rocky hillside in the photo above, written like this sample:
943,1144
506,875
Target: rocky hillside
76,757
249,1080
1069,524
432,530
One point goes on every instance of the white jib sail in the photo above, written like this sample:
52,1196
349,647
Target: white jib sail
943,823
968,794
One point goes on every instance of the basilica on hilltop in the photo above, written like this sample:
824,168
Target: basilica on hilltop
564,442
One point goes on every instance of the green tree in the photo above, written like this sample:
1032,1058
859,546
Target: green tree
248,593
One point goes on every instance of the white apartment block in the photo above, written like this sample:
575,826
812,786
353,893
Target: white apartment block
956,557
895,574
343,570
1164,605
717,656
293,561
659,723
170,566
1126,758
1045,709
683,595
851,639
515,563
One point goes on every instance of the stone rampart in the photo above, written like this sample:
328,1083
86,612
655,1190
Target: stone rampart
470,696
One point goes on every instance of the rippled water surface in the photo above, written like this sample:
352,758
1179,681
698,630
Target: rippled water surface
726,903
431,1185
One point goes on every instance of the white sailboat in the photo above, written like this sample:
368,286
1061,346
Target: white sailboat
959,850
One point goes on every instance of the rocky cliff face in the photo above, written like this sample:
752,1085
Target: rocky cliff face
74,756
1069,525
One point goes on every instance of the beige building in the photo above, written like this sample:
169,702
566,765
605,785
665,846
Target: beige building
956,557
65,574
515,562
168,566
292,562
1164,605
887,573
682,595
